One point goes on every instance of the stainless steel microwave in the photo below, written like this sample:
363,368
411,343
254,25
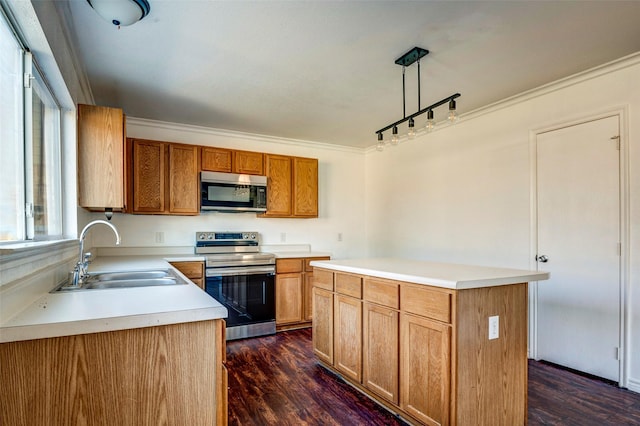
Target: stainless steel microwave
233,192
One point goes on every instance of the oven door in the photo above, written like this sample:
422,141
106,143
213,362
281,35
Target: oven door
247,293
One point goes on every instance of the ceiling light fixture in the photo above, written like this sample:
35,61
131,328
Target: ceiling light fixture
121,13
409,58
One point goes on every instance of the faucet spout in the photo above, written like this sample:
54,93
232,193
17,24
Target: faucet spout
90,225
81,267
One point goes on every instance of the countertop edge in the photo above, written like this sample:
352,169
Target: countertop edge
525,276
73,328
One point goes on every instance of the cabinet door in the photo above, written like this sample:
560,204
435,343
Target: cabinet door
348,336
250,163
278,168
192,270
148,176
288,298
323,325
425,369
216,159
380,351
305,187
184,185
100,157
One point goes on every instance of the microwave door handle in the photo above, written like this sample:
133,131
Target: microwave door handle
264,293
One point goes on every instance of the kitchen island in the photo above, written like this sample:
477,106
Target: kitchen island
145,355
437,343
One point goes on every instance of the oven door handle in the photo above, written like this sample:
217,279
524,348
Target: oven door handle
226,272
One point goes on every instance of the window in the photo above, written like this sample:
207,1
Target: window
30,169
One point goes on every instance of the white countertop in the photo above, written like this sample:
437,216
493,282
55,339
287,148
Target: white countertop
446,275
91,311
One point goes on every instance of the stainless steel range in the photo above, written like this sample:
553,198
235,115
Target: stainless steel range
242,279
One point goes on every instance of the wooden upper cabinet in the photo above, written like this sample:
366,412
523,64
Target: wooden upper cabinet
184,182
247,162
278,168
148,176
164,177
305,187
216,159
101,177
292,189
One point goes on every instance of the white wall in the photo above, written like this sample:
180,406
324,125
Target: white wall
340,192
462,193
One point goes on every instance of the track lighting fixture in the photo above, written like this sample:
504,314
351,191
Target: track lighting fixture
409,58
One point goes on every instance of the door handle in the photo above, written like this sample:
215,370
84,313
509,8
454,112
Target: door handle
542,258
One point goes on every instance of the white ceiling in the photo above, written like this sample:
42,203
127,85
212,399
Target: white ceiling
324,70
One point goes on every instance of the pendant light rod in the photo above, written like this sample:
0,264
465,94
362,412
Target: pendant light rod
422,111
404,101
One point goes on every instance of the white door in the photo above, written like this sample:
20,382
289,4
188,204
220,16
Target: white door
578,202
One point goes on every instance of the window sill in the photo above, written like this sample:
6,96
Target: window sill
23,259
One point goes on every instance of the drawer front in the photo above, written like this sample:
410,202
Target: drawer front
288,266
386,293
190,269
423,301
323,279
350,285
308,260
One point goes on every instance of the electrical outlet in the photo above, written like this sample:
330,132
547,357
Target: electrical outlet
283,237
159,237
494,327
339,236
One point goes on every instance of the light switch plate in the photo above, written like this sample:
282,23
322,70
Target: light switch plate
494,327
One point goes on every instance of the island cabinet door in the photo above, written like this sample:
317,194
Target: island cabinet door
348,336
425,369
380,331
323,325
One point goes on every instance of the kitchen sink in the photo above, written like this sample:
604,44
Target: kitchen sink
124,279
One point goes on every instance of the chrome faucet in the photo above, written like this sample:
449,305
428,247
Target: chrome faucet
80,271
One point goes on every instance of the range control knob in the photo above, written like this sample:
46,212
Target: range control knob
245,236
209,236
253,236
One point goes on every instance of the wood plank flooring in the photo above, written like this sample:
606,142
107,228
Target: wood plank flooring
275,380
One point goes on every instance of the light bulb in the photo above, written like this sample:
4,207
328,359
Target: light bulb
395,139
380,145
452,111
430,121
412,129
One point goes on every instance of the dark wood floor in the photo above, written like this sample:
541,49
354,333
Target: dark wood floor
275,380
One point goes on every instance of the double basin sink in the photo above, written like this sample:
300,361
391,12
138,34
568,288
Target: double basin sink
124,279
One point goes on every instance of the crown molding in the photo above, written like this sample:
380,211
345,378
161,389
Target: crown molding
231,134
554,86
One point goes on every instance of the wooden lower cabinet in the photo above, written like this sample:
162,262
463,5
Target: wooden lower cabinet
294,292
194,270
172,374
348,336
288,298
380,330
423,351
323,324
424,369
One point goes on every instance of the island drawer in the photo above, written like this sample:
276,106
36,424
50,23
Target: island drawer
382,292
288,266
349,285
425,301
323,279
